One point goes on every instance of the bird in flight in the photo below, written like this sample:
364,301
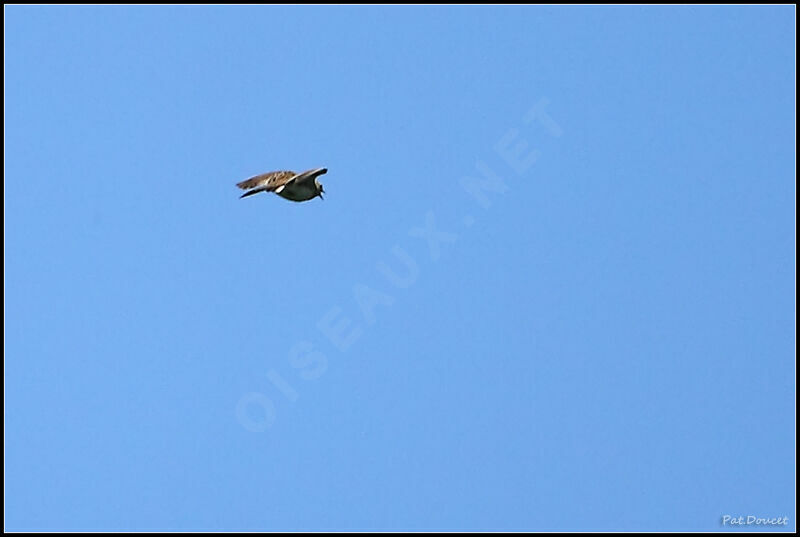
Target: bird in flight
290,185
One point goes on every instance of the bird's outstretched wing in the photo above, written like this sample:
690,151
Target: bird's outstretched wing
266,182
269,181
309,175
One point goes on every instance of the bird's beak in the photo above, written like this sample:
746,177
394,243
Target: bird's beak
320,196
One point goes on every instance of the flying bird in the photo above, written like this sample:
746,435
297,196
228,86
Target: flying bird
289,185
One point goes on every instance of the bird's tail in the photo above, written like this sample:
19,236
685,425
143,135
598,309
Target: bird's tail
254,191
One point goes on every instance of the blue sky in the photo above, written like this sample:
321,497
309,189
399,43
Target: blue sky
551,286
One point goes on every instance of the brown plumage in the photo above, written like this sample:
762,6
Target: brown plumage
287,184
268,182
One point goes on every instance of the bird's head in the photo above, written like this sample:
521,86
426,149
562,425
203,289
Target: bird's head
320,190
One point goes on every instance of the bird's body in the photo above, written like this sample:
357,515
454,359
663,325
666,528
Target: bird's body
287,184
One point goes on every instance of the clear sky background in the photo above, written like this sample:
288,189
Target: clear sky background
598,336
